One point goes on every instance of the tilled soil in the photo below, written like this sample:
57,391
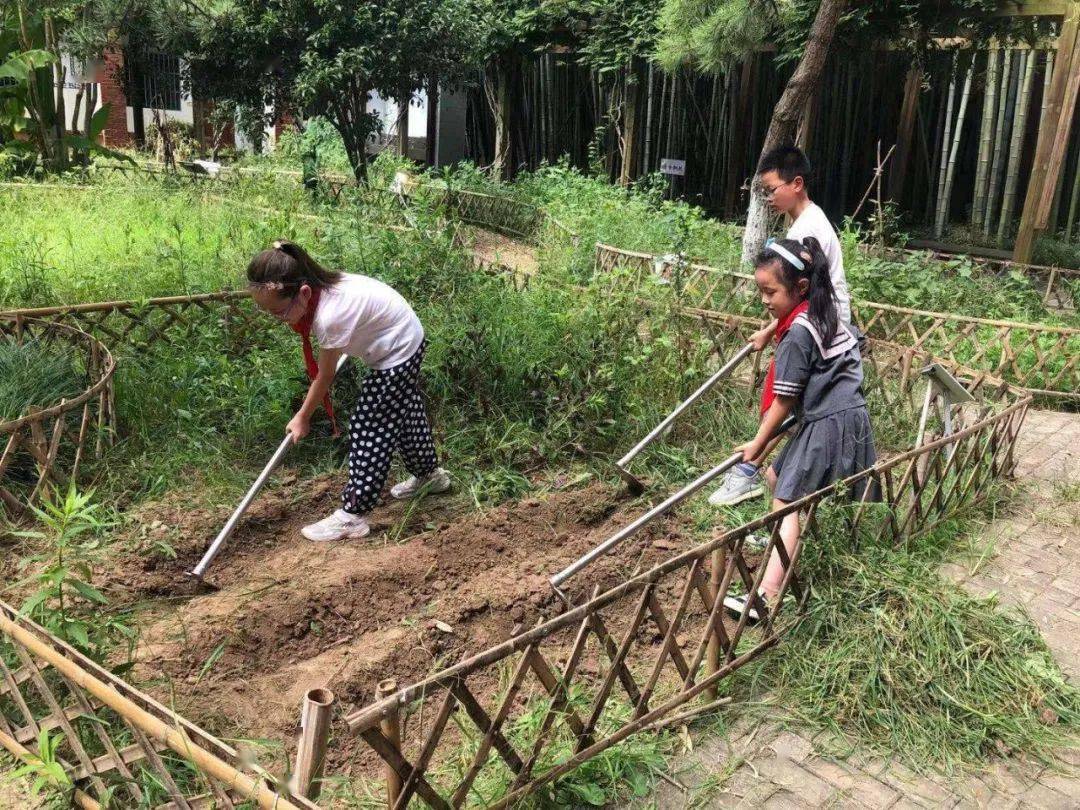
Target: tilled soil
431,585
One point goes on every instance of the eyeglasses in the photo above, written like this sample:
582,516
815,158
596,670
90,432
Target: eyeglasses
771,192
283,314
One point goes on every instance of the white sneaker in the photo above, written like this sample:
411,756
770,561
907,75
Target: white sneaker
738,486
338,526
738,605
433,483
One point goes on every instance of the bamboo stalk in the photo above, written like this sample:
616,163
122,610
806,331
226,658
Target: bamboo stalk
141,719
982,173
1027,66
1074,200
315,714
943,162
943,211
998,159
390,725
646,166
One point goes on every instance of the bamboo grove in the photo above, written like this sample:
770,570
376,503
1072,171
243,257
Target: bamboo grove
975,122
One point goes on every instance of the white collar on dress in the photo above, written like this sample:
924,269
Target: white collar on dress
842,341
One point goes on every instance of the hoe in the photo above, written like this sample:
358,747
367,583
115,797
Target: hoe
634,484
199,570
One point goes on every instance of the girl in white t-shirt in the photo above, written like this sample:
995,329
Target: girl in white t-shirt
364,318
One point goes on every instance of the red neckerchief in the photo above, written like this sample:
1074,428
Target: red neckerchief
303,328
782,327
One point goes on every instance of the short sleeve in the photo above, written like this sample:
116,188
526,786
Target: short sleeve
793,357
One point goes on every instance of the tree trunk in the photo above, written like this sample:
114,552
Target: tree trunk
403,99
1012,175
905,130
631,101
646,162
498,89
431,137
785,117
58,73
982,173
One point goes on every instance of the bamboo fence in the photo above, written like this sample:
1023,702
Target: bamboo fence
1037,358
119,747
637,657
142,325
46,446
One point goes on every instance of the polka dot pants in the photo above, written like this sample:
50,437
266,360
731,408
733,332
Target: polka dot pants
389,416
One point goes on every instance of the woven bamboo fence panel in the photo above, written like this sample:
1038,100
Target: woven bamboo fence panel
131,326
1037,358
119,747
1059,287
47,445
651,651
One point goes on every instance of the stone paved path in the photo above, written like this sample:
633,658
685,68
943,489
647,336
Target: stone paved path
1037,564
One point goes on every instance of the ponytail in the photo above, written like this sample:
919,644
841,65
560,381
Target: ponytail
287,267
820,297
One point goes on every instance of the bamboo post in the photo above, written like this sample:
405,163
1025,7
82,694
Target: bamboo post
315,714
997,159
715,654
944,160
982,174
1027,67
390,726
943,209
154,728
1074,202
1060,101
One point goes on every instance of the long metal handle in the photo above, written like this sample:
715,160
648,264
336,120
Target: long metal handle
672,500
260,482
720,374
230,526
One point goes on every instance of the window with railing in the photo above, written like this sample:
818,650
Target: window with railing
161,81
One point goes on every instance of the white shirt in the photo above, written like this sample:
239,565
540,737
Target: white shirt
367,319
813,222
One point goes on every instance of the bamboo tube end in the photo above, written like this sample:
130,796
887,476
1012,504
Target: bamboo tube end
319,696
386,687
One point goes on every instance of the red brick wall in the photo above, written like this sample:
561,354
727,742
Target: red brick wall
112,93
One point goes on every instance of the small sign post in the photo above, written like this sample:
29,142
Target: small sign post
673,167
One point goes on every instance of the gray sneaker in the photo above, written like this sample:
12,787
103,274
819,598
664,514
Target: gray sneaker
738,487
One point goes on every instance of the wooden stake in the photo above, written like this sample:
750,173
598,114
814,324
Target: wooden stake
898,176
315,714
390,726
715,653
1057,120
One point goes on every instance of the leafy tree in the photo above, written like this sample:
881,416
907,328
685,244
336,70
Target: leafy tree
319,57
32,78
619,40
712,34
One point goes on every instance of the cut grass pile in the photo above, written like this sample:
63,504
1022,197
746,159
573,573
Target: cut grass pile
35,373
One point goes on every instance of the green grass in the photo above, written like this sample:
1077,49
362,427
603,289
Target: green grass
554,376
36,373
893,658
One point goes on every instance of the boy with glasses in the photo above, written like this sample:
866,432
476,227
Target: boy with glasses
783,175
